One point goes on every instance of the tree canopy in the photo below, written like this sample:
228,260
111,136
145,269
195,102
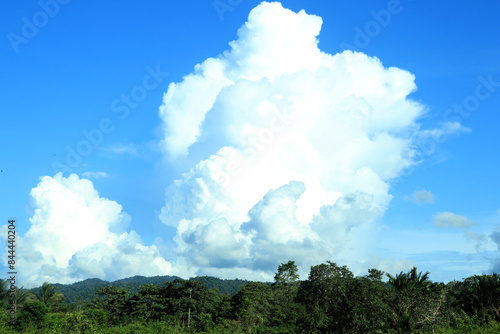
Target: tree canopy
331,300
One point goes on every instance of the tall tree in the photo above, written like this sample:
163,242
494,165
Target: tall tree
416,302
368,304
114,301
252,305
479,294
285,310
287,273
326,294
148,303
411,279
187,300
46,293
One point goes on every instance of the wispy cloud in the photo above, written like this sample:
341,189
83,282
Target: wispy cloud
480,240
449,219
421,197
446,129
95,175
123,149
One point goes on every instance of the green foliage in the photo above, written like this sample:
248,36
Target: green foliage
75,322
204,322
22,296
49,296
326,296
149,303
5,326
416,302
46,293
112,300
478,297
188,301
225,286
4,289
368,304
287,273
252,305
32,313
331,300
411,279
98,317
84,291
285,310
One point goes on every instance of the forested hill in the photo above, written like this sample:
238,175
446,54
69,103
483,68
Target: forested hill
85,290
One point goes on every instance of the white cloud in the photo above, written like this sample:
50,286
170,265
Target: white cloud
449,219
119,149
446,129
95,175
182,114
75,234
307,143
421,196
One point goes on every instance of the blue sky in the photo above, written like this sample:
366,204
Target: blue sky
393,164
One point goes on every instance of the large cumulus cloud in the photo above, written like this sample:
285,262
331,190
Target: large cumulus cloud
76,234
306,144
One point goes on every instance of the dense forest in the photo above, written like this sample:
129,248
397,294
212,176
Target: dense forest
85,290
331,300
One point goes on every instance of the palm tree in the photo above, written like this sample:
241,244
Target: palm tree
403,281
20,295
408,288
419,280
480,293
48,294
4,291
23,296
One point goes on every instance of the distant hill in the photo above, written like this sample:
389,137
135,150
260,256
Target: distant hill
85,290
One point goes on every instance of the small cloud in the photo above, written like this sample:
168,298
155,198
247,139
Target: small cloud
479,239
449,219
475,236
421,197
446,129
129,149
95,175
498,211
